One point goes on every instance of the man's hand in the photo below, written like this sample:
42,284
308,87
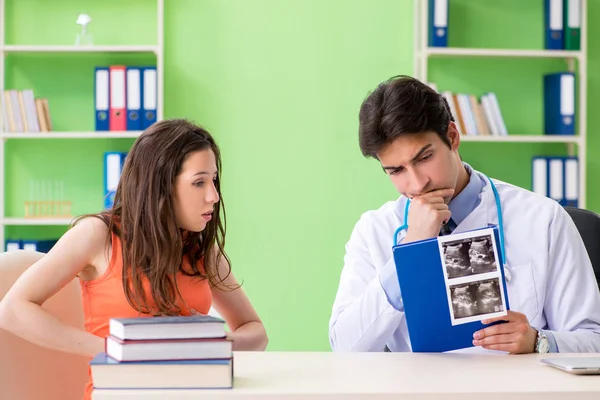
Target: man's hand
515,336
426,215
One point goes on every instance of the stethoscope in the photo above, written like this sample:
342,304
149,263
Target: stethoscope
500,227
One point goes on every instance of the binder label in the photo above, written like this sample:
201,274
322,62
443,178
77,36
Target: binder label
574,16
556,15
567,99
440,15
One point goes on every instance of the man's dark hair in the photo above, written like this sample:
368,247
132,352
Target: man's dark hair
401,106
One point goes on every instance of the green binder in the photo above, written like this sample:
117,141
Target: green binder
572,24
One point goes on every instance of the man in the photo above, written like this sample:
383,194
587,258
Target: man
554,298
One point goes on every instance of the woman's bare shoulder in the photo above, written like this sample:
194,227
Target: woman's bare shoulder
95,231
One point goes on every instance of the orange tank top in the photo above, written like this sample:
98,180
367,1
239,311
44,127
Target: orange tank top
104,298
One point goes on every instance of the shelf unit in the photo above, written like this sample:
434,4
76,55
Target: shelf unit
576,61
522,139
518,53
35,221
79,49
7,49
72,135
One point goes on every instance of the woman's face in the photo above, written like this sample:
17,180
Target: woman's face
195,193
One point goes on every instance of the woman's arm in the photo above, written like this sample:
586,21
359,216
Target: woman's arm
21,309
247,330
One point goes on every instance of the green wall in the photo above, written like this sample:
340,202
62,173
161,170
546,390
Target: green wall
279,84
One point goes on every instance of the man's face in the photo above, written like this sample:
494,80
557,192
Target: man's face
417,164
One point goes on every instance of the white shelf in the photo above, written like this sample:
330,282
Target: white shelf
574,60
522,139
72,135
154,51
466,52
36,221
78,49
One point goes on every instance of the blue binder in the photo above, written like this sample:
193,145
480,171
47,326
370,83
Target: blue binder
559,103
134,98
554,24
438,23
12,245
41,246
571,181
113,165
101,98
539,175
149,96
557,178
429,288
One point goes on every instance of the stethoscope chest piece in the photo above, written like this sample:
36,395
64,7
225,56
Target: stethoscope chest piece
507,274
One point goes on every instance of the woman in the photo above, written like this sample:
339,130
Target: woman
158,251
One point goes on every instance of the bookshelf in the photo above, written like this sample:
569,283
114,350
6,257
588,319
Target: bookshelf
80,49
113,52
35,222
71,135
575,61
514,138
466,52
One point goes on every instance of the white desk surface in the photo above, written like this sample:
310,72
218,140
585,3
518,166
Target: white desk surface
350,376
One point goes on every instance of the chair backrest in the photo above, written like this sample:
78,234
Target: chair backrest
28,371
588,225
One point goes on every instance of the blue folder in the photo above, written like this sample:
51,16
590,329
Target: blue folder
12,245
557,177
553,25
149,91
422,280
134,98
438,23
559,103
101,98
113,165
41,246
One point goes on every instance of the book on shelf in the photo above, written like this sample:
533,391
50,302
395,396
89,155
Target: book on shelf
476,116
23,112
483,117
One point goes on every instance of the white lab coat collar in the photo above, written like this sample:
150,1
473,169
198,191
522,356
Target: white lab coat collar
486,206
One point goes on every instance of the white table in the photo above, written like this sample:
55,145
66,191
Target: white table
350,376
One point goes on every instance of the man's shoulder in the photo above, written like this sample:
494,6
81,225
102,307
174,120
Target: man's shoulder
389,213
523,199
386,210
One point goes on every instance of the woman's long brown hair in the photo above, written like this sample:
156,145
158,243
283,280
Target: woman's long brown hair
143,218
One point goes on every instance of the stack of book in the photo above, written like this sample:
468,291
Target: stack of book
480,117
23,112
165,353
